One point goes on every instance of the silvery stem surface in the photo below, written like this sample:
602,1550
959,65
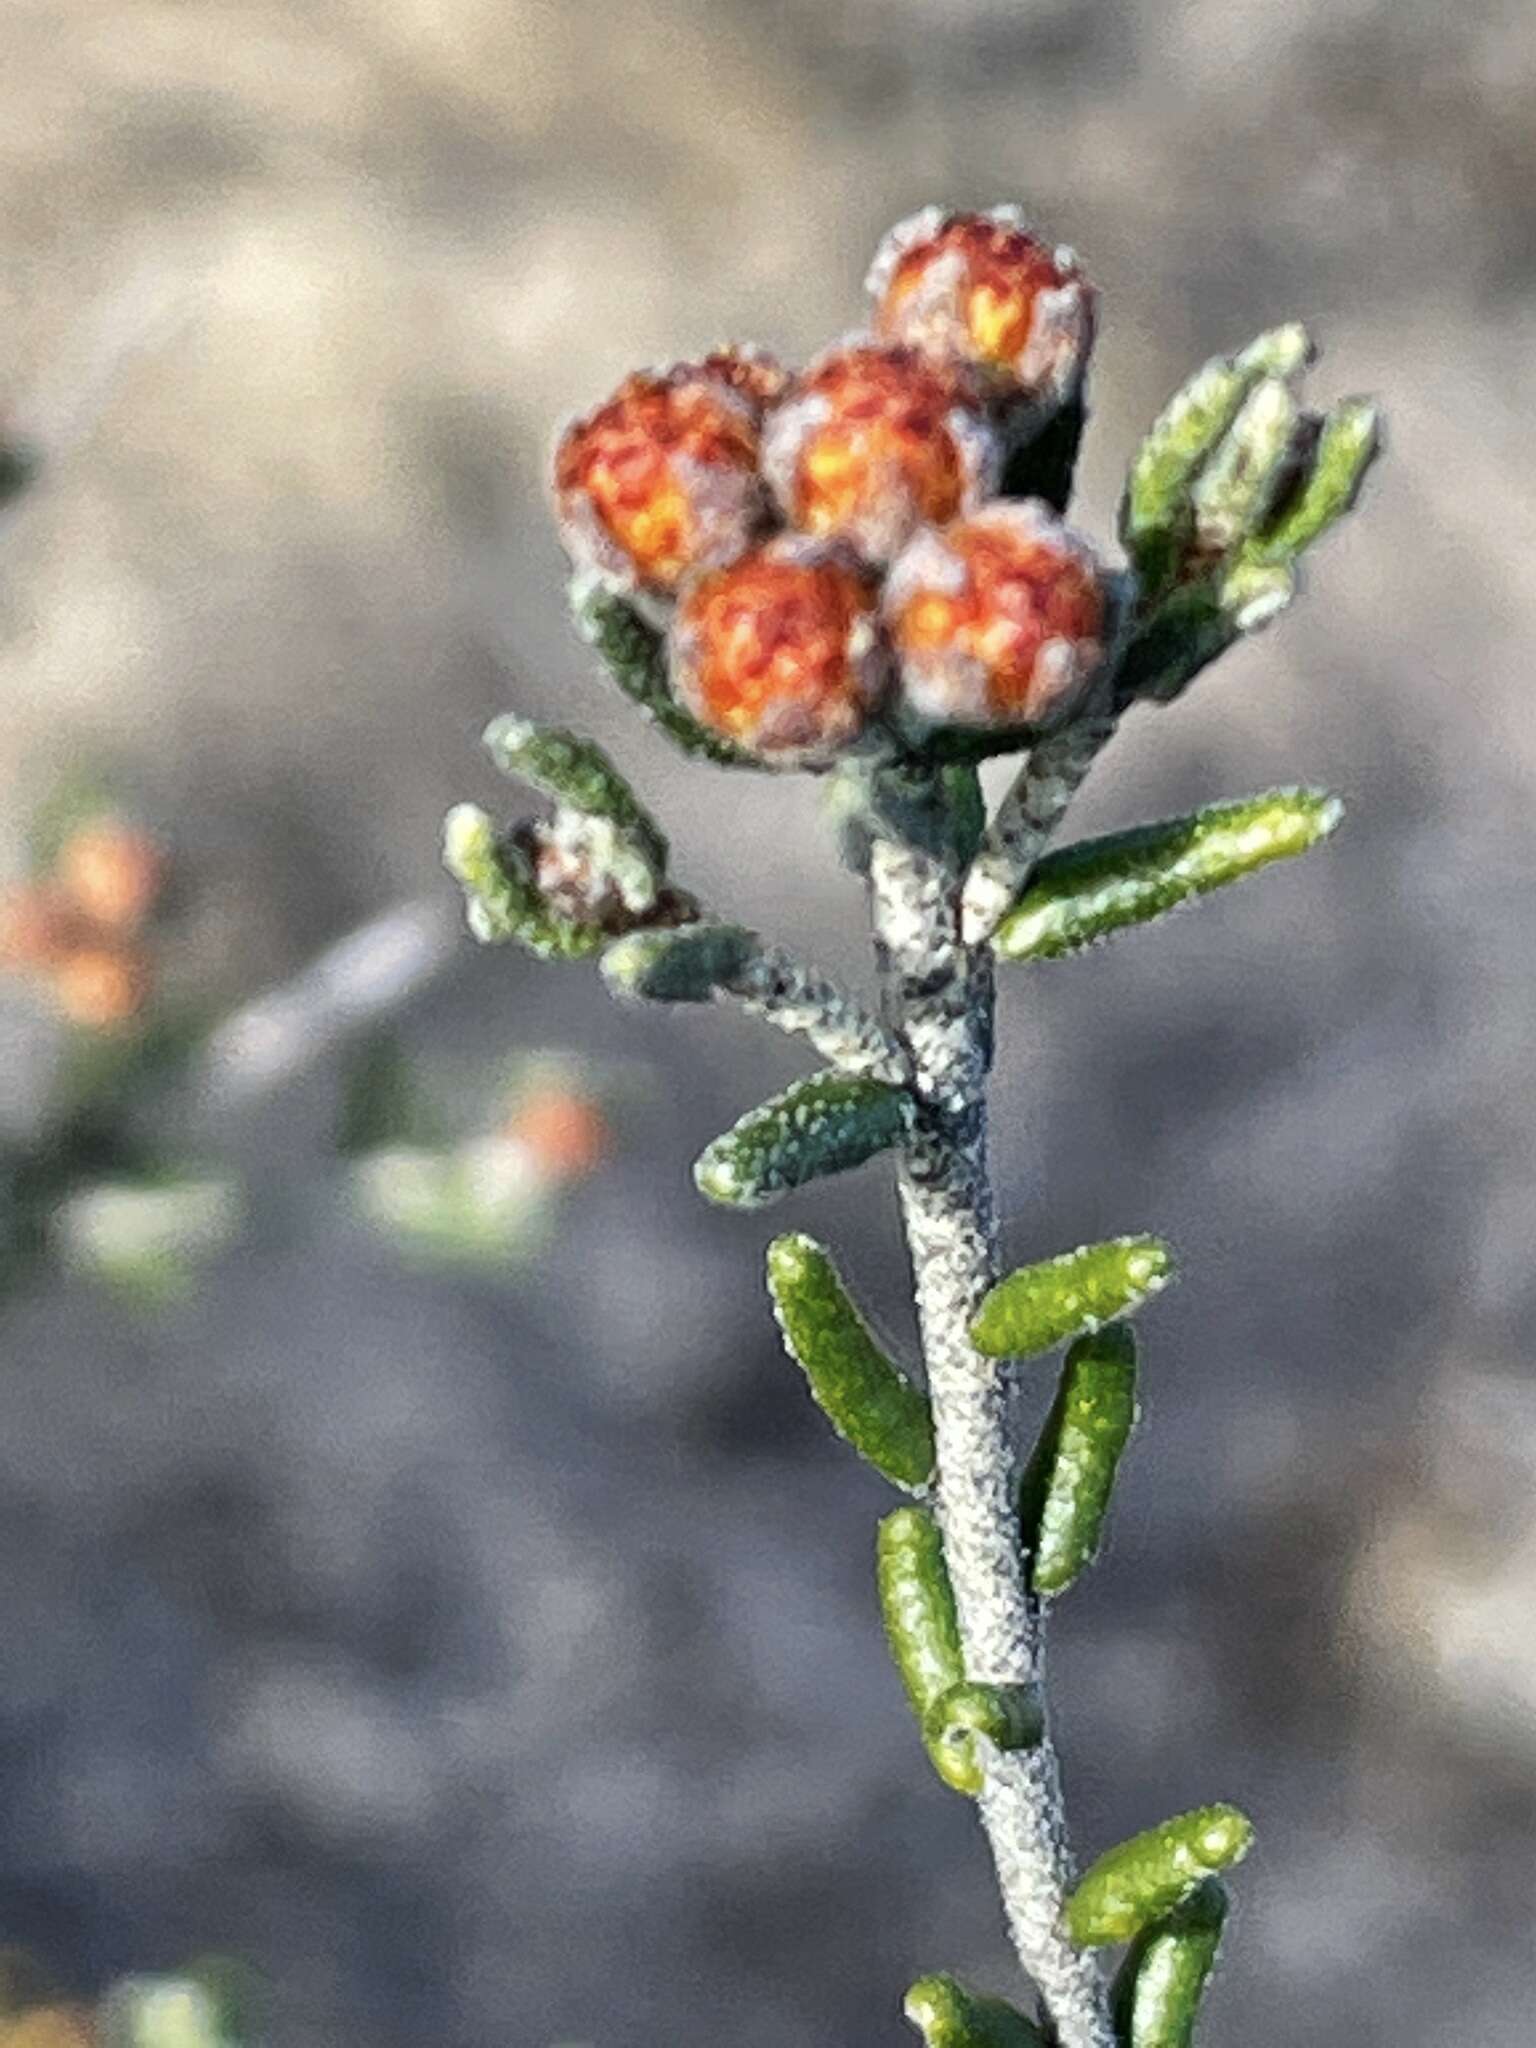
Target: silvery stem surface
1028,815
940,996
799,999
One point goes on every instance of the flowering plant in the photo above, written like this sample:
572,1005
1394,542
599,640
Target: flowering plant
862,570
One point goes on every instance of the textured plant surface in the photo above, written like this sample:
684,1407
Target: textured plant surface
862,571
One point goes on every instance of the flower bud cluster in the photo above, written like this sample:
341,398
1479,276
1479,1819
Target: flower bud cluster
80,927
825,552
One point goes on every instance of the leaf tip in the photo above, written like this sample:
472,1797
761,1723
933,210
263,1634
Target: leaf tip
467,832
790,1258
716,1177
1225,1837
1149,1264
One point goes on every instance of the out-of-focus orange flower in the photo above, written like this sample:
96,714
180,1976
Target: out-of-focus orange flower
102,987
40,926
113,871
563,1130
80,927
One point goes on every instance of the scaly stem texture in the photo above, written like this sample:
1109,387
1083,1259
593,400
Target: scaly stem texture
940,1001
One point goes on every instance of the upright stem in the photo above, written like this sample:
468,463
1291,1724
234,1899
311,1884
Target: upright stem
940,995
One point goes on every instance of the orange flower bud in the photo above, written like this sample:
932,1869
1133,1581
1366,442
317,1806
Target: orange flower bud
979,288
112,872
782,651
663,478
102,987
1001,619
874,441
752,373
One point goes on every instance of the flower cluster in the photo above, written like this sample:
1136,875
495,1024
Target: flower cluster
827,553
80,927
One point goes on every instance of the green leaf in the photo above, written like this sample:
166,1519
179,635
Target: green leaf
821,1125
931,804
503,901
949,2016
685,965
1158,1989
1155,515
635,655
868,1401
1185,634
1240,483
917,1605
1008,1716
578,774
1039,1307
1347,446
1100,886
1065,1492
1146,1878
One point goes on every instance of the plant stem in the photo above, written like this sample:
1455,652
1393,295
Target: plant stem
939,994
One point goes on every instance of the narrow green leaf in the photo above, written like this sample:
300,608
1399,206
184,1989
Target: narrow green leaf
1278,352
1101,886
1039,1307
917,1605
949,2016
635,655
1146,1878
1158,1988
685,965
1065,1493
867,1400
1156,506
502,900
1239,484
577,773
1185,634
824,1124
1008,1716
1251,593
1347,446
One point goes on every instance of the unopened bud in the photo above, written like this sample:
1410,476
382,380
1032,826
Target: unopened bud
752,373
874,442
1000,620
979,288
781,652
663,479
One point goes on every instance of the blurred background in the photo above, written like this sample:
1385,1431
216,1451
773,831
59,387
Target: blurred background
422,1576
